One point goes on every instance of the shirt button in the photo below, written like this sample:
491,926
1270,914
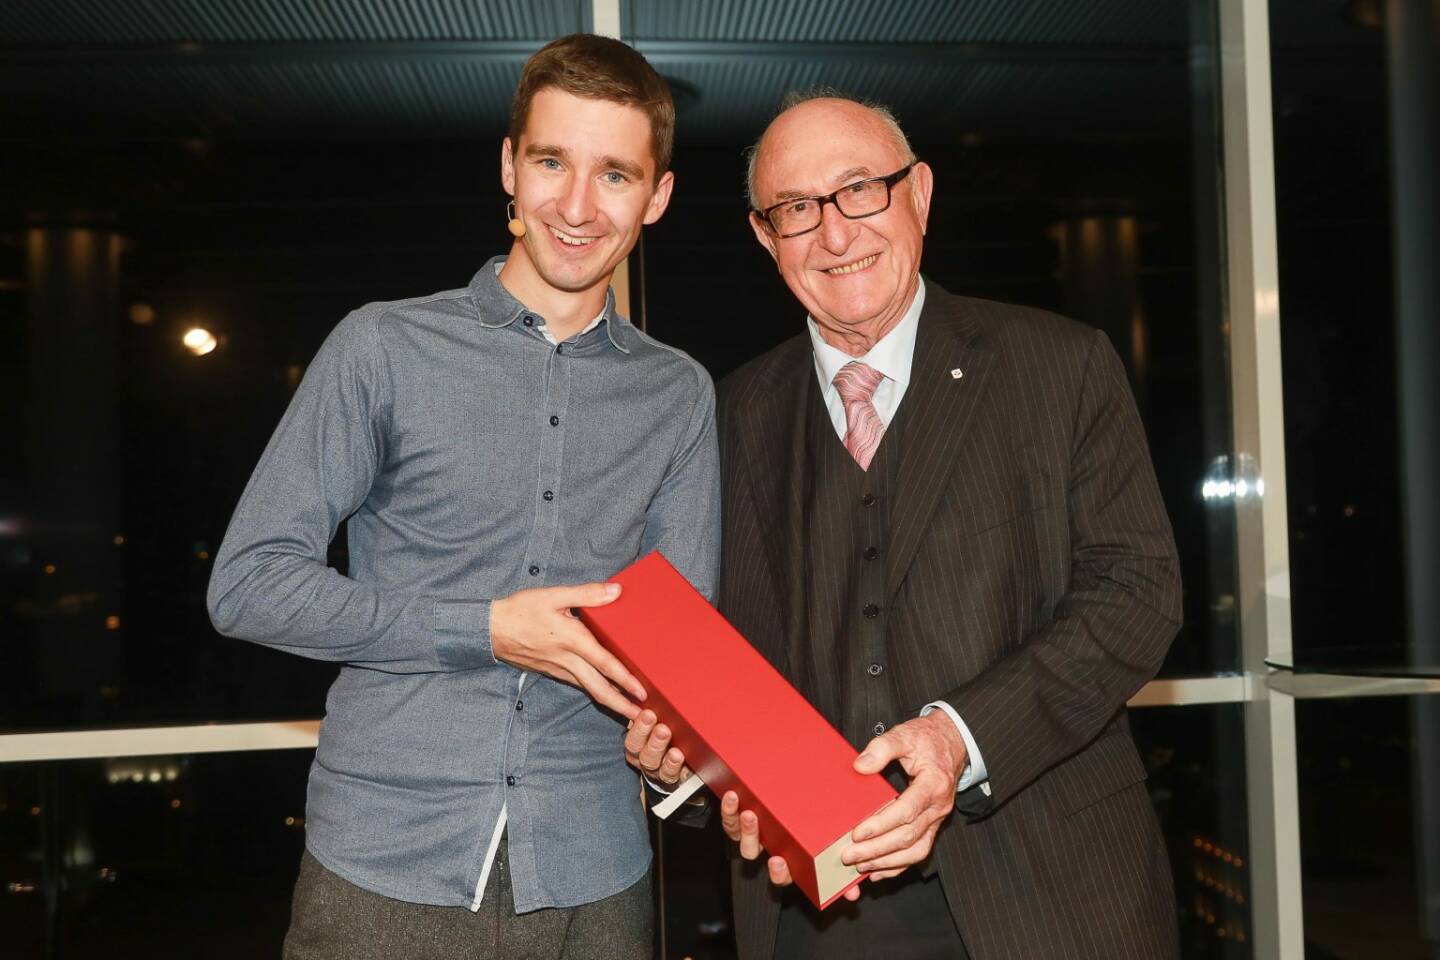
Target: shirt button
868,500
871,553
554,421
510,781
519,707
871,611
879,728
875,669
548,495
534,570
528,320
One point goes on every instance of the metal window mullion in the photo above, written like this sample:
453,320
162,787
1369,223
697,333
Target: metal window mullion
1262,544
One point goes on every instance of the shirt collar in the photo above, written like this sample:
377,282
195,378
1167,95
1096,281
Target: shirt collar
892,354
496,307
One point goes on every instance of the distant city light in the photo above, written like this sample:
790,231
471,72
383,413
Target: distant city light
199,341
142,314
142,770
119,540
112,622
49,569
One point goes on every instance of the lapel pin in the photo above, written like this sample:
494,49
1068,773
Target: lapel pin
957,373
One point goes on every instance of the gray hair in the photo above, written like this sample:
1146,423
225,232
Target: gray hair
796,97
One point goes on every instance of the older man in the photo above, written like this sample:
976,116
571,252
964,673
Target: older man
941,523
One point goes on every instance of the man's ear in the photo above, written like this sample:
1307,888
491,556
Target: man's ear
660,199
507,166
922,182
763,234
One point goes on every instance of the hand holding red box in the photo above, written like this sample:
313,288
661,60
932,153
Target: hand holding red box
724,703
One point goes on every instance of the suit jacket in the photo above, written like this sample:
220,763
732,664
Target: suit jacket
1031,582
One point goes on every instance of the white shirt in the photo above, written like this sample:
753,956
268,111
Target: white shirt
892,355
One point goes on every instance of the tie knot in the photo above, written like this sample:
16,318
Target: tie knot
857,381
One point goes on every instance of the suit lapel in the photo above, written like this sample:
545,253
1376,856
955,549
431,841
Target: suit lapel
772,443
939,409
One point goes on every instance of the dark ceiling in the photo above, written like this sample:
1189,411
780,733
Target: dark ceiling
437,69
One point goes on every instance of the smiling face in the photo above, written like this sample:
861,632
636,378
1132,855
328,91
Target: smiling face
855,277
583,180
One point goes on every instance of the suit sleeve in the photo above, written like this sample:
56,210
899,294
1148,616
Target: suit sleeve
1060,688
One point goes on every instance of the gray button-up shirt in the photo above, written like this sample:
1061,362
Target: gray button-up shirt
470,457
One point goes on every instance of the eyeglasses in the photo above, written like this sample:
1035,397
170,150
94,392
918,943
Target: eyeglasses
855,201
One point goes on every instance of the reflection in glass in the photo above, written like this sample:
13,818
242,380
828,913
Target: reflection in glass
1334,219
1196,759
148,856
1369,822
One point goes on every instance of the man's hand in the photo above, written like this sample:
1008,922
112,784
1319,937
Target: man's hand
743,827
932,752
647,749
535,630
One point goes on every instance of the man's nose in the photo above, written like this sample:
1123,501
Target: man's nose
836,231
576,204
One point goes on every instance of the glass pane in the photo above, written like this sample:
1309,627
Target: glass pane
1340,214
1370,842
1196,759
254,177
1078,174
151,856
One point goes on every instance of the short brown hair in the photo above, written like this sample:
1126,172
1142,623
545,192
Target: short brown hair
586,65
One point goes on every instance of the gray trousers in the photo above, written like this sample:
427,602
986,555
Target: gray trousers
332,919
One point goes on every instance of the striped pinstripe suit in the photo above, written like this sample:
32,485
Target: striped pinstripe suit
1031,582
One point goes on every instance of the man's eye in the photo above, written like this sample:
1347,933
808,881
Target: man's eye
860,187
799,207
614,177
550,163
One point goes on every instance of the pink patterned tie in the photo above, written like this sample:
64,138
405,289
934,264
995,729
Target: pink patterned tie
856,383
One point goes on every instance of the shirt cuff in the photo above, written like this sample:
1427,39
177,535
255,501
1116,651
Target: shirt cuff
975,772
462,634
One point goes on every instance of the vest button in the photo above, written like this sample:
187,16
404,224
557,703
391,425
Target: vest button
871,553
871,611
519,705
528,320
875,669
510,781
554,421
548,495
879,728
534,571
868,500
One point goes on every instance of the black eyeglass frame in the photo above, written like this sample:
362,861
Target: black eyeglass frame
889,180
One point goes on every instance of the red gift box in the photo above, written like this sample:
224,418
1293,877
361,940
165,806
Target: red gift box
740,724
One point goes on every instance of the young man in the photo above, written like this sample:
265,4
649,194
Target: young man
497,451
